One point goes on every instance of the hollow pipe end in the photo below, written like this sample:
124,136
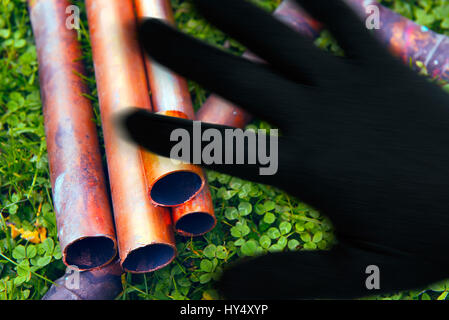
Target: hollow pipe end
195,224
175,188
90,253
149,258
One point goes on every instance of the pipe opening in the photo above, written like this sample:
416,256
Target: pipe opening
90,252
196,223
176,188
149,258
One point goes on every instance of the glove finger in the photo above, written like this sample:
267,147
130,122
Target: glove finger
270,39
340,273
253,86
259,158
345,26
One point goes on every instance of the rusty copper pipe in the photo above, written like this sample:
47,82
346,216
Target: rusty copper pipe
170,184
188,215
100,284
195,217
83,214
218,111
170,96
408,40
144,232
405,39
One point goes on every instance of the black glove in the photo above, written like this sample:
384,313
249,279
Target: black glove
363,139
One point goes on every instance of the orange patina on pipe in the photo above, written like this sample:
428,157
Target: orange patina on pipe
144,231
83,214
170,184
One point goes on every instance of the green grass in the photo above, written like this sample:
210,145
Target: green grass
252,218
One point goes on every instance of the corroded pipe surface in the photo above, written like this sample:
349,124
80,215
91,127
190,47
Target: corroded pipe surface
170,184
408,40
294,16
101,284
144,232
83,214
405,39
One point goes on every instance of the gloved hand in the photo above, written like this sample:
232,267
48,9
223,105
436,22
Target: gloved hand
363,139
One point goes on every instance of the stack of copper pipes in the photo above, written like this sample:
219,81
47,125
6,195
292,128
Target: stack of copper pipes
152,197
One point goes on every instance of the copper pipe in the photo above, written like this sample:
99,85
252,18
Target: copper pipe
101,284
169,92
212,113
196,217
294,16
170,184
219,111
409,41
144,232
83,214
170,96
405,39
